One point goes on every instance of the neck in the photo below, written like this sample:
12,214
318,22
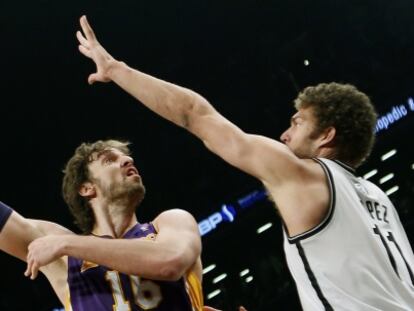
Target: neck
113,219
327,153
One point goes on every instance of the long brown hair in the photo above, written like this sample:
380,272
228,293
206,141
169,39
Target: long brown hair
76,172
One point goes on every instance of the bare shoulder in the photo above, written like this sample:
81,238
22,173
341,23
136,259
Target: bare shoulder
303,201
275,163
175,217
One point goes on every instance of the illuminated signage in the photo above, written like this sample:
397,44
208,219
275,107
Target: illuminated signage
228,212
395,114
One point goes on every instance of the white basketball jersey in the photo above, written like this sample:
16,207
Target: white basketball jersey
359,257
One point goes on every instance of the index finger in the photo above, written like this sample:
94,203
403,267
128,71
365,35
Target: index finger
87,29
28,266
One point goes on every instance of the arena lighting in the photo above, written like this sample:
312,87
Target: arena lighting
219,278
388,154
386,178
392,190
264,227
209,268
370,174
249,279
213,294
244,272
306,62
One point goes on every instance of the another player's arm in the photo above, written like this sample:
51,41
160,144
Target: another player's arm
261,157
174,251
18,232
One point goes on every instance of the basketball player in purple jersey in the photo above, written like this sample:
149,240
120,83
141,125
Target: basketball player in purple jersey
130,266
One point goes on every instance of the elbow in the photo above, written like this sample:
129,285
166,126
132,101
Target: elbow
197,108
173,269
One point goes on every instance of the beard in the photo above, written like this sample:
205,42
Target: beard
128,193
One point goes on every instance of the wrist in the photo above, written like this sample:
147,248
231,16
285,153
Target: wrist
114,67
65,246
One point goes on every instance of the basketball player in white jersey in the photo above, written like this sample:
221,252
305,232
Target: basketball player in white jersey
344,243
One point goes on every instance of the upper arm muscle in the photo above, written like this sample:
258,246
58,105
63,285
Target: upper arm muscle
259,156
179,228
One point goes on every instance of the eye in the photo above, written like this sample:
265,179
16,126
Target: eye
297,122
108,160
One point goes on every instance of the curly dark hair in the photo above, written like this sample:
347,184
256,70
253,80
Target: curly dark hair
76,172
349,111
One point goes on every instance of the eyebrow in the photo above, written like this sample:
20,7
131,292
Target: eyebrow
296,117
95,156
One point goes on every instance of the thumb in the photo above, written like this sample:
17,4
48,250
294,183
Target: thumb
241,308
92,78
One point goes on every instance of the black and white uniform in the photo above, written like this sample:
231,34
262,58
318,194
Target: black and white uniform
359,257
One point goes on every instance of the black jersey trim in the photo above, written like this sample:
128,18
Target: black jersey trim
312,278
328,217
345,166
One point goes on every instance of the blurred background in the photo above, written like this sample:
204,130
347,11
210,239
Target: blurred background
249,59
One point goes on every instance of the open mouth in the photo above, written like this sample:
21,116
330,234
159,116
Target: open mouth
132,171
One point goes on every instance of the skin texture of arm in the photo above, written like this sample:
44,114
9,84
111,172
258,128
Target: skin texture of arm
175,250
19,232
264,158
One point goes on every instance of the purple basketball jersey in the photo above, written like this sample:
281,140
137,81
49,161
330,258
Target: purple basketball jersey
97,288
5,212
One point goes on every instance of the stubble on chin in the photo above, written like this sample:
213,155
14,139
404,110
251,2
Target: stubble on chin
129,194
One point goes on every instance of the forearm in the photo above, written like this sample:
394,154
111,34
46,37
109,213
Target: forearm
16,236
174,103
145,258
48,227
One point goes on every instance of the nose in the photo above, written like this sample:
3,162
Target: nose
127,161
285,136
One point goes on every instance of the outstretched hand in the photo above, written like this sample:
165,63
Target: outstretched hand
41,252
91,48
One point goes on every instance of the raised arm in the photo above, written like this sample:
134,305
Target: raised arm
174,251
261,157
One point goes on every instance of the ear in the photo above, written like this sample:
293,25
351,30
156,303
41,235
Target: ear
87,190
327,136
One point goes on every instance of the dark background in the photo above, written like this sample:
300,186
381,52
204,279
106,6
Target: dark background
247,58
